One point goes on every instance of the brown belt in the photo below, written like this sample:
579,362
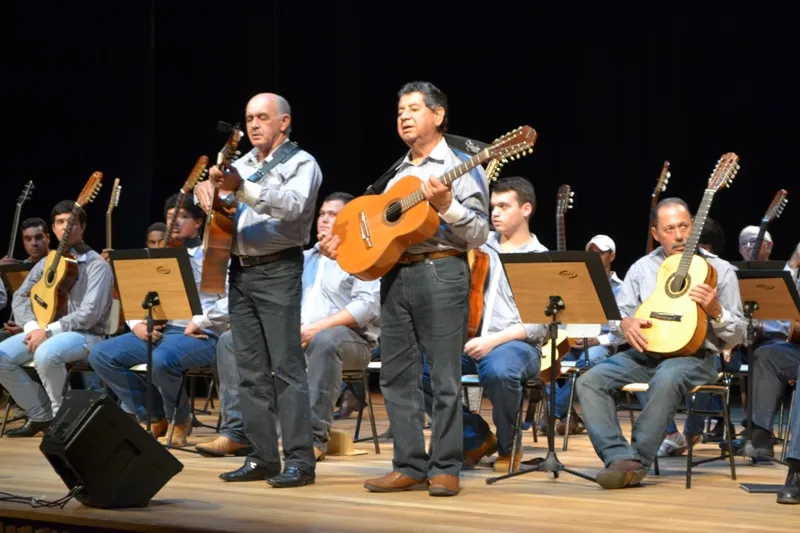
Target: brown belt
407,259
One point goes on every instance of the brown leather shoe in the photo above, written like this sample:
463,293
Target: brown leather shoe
319,454
222,446
395,482
159,428
179,436
444,485
473,457
501,465
621,474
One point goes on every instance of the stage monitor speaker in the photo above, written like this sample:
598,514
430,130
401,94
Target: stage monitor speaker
93,444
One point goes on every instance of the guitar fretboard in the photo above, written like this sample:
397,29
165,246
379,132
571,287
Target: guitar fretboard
63,243
762,230
691,245
447,178
561,234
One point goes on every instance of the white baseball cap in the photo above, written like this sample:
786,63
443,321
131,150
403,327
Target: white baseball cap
604,242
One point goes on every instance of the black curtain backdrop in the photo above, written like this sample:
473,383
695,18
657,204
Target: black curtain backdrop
135,89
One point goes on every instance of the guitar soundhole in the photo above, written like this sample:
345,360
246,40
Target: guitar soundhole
675,288
393,212
50,277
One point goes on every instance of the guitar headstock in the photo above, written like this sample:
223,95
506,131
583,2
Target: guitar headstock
564,199
776,207
198,173
229,152
493,170
27,192
663,179
517,143
91,188
116,189
724,172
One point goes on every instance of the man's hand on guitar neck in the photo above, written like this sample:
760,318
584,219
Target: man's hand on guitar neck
205,194
632,329
706,297
437,194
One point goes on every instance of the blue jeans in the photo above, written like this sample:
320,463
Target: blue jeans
775,365
596,354
669,381
41,404
231,425
172,356
501,373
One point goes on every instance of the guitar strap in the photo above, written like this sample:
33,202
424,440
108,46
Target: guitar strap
281,155
462,146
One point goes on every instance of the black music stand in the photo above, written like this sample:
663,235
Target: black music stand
574,288
766,295
160,281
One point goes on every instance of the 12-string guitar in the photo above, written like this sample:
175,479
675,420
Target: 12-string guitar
50,295
24,196
679,325
375,230
115,316
195,175
773,211
219,230
661,186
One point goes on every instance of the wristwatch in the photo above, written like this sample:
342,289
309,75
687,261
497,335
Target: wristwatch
48,332
718,319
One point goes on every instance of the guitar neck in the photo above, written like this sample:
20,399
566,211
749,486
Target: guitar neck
651,242
108,230
448,177
691,245
561,234
12,239
63,242
762,230
174,216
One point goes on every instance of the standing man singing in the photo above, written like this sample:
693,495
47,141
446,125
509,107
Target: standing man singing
275,189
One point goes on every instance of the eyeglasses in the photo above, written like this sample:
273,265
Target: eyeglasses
752,242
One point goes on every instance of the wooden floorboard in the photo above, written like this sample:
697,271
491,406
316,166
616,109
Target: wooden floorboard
195,500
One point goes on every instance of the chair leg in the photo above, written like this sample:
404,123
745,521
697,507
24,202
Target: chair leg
175,411
690,438
368,398
788,433
517,431
726,419
572,380
361,404
5,417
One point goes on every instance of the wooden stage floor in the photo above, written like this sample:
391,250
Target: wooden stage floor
195,500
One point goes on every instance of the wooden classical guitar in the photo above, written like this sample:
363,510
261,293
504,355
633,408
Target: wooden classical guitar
773,211
679,325
24,196
115,316
375,230
219,230
50,295
661,186
197,173
563,345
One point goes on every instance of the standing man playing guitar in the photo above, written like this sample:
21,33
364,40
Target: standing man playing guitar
67,339
669,377
273,221
425,297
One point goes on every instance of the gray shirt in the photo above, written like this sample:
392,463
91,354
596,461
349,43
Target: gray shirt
466,224
3,295
640,282
89,301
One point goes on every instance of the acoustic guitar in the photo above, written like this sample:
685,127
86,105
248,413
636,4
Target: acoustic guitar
115,316
679,325
564,201
375,230
219,230
661,186
197,173
50,295
774,211
24,196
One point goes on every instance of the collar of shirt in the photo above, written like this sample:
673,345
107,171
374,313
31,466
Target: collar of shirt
251,158
438,155
532,246
613,278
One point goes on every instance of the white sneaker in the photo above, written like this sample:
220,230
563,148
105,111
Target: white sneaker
673,445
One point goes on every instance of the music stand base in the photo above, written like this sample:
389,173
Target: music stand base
756,488
550,463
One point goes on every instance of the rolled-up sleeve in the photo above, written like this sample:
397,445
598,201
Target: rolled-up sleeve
95,304
301,177
365,305
732,326
468,214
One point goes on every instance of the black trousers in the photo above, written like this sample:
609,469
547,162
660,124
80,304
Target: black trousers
264,307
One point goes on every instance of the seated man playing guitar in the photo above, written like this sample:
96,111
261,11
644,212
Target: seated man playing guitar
65,340
669,378
180,345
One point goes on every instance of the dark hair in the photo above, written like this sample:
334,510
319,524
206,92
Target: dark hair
343,197
666,202
521,186
34,222
66,206
713,236
187,205
157,226
434,98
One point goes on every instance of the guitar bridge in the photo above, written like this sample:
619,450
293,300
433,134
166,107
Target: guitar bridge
365,235
39,301
666,316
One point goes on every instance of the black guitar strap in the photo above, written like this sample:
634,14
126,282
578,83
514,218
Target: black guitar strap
455,142
281,155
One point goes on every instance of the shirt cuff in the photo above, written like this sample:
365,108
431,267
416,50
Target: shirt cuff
724,318
250,193
359,311
202,321
454,213
604,340
133,323
55,327
30,326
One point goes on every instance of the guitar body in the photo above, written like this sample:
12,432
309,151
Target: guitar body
679,324
370,258
217,245
563,346
50,295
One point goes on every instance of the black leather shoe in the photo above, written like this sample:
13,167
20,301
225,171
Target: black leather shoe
30,429
790,493
250,471
291,477
761,447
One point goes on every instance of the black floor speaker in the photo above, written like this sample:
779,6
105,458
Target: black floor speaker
94,445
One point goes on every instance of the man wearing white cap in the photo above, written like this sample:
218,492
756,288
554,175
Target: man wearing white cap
600,347
747,239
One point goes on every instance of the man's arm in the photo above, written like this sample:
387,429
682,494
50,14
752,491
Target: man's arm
468,215
96,301
3,295
628,296
215,313
21,301
301,182
731,326
364,307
